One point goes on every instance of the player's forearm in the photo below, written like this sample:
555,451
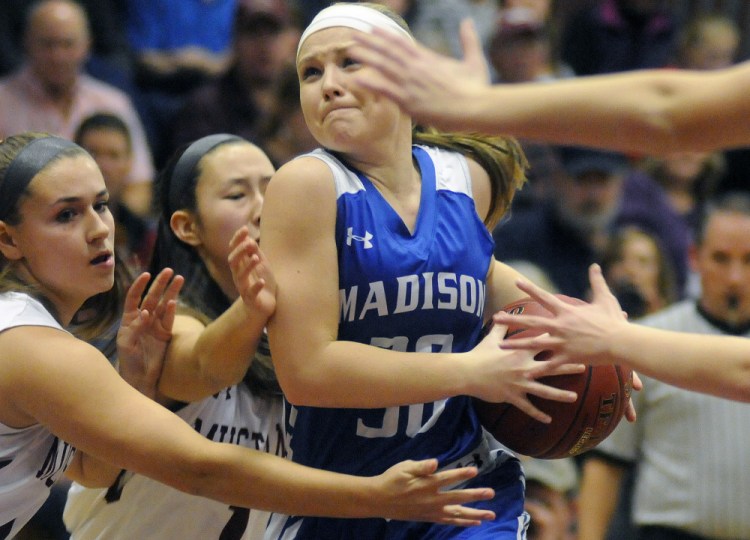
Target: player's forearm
229,473
349,374
226,347
648,111
271,483
579,111
718,365
202,360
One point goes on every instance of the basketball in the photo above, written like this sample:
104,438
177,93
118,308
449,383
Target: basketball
603,395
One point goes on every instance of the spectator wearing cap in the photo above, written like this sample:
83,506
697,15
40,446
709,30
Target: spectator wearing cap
520,49
264,40
593,194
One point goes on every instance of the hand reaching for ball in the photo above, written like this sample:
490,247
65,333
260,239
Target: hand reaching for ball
603,394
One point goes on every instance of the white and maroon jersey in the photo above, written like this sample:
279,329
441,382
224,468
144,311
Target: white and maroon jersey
32,459
138,507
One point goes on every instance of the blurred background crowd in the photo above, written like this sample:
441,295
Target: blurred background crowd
133,80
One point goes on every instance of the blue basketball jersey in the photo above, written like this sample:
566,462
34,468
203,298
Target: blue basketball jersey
422,291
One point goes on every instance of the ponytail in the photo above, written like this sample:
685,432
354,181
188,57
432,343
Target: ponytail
502,158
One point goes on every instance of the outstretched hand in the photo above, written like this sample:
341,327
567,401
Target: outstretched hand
575,330
425,84
512,377
251,273
413,491
146,329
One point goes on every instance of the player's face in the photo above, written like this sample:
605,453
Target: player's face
340,115
229,194
723,261
64,241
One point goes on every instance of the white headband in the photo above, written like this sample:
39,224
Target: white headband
360,18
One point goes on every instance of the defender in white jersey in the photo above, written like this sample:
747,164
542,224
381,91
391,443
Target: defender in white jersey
32,459
385,269
136,506
217,182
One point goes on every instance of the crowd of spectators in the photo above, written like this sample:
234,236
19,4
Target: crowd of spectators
133,80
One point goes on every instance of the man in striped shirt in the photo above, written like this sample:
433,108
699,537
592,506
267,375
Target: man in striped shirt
692,467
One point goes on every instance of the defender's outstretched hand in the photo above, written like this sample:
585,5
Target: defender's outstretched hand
573,331
433,88
251,273
414,491
146,328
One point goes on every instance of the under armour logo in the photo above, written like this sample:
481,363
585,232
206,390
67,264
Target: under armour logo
351,236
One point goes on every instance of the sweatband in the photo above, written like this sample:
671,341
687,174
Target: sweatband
354,16
184,169
34,157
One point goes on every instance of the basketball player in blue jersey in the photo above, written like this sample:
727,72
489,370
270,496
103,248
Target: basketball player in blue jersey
385,273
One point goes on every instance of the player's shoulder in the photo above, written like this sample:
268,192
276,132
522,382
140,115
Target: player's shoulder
453,170
318,174
306,169
300,189
33,357
444,157
32,342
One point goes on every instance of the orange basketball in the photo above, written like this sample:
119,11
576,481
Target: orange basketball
603,395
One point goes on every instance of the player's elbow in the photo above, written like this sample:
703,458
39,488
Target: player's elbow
197,475
302,389
309,383
742,385
305,374
217,381
656,124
